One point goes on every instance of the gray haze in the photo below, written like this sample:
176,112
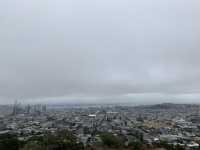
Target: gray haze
100,51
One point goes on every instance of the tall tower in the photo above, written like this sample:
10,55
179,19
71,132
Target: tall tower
28,109
15,109
44,108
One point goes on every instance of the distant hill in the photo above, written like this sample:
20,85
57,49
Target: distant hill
169,106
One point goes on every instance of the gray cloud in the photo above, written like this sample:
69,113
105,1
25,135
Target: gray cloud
99,50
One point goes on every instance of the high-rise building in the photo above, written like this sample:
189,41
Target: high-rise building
28,109
44,108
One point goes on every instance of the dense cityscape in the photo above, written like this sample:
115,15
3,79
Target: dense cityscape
174,124
99,75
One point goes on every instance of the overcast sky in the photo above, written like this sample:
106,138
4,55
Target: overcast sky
100,51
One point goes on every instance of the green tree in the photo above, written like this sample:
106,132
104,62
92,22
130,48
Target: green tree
33,145
61,140
110,140
9,142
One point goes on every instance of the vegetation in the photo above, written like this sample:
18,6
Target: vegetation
8,142
33,145
110,140
65,140
62,140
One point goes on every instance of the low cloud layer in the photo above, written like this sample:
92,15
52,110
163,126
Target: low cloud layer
99,51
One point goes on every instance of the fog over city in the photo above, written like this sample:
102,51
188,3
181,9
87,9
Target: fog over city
100,51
